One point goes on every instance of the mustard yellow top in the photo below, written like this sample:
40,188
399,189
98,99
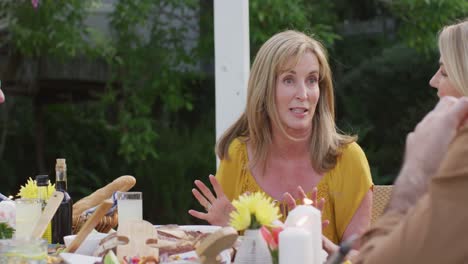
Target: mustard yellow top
343,187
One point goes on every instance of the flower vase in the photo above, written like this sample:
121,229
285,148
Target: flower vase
253,249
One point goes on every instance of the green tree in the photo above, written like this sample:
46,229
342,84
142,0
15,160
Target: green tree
420,20
268,17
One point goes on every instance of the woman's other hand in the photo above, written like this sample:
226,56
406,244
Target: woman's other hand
291,201
317,203
218,208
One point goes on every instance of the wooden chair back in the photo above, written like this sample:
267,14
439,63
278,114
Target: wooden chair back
381,197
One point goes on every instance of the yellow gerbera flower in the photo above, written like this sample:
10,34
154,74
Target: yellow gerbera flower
240,218
29,190
253,211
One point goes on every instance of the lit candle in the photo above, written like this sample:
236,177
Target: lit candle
295,246
309,219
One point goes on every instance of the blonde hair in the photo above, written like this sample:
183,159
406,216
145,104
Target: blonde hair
255,124
453,46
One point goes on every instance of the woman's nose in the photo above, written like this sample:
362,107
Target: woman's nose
301,92
434,81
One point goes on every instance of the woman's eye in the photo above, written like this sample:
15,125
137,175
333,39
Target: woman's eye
313,80
442,72
288,81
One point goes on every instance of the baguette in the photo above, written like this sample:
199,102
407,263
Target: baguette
122,184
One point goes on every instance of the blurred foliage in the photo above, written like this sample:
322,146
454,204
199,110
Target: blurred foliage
382,99
268,17
359,10
142,38
52,30
420,20
383,86
155,119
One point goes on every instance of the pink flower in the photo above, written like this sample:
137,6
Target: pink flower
35,3
271,236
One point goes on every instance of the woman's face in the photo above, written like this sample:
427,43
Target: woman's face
297,94
441,82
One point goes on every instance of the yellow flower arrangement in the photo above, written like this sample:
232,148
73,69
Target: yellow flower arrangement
253,211
29,190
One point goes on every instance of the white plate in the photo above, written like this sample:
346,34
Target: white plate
225,255
201,228
71,258
225,258
89,245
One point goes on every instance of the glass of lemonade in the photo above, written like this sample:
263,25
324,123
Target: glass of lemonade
129,206
23,250
28,212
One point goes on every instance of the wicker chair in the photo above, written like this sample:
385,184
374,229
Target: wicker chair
380,199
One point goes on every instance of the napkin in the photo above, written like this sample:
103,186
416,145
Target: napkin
111,210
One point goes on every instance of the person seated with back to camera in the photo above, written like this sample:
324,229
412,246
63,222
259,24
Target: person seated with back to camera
425,220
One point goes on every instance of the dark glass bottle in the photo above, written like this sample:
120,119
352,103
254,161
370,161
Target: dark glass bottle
62,221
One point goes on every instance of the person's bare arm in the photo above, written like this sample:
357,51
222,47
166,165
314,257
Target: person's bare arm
361,219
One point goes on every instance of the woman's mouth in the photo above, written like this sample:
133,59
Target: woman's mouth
299,111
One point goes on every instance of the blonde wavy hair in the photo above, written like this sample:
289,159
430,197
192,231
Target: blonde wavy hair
255,124
453,47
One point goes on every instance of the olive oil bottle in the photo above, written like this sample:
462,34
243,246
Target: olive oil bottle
62,221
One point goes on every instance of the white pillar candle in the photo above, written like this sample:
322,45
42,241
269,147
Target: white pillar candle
309,219
295,246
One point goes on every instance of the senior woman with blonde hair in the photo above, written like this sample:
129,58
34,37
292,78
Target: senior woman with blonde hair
452,77
286,143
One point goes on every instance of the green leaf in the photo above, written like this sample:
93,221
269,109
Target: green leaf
6,231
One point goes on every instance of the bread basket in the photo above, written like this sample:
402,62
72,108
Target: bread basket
122,184
104,226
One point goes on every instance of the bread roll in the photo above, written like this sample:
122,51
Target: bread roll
122,184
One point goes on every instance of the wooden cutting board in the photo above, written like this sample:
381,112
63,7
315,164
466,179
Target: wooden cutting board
49,211
139,233
209,250
92,221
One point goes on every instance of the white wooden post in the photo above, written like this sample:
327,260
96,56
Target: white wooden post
232,61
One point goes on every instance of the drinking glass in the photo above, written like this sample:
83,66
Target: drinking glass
23,250
129,206
28,212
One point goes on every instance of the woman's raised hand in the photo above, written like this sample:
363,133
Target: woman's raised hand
218,208
291,202
318,203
